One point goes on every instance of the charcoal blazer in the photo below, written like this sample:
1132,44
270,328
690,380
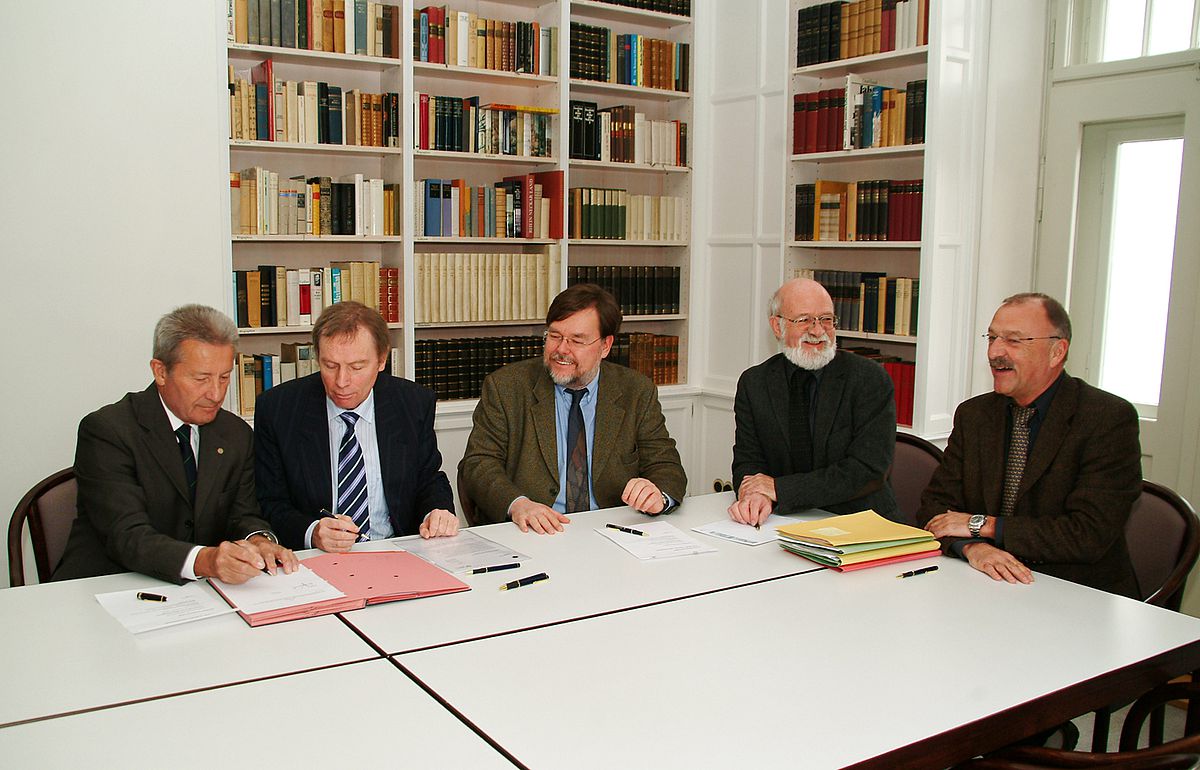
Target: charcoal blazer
513,447
292,461
854,436
1083,474
135,512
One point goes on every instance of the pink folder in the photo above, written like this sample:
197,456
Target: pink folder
365,577
889,560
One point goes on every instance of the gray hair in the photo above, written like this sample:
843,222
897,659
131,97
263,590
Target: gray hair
1054,310
191,322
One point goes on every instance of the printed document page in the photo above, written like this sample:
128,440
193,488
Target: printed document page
185,603
662,540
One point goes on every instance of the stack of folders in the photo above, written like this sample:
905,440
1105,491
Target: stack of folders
856,541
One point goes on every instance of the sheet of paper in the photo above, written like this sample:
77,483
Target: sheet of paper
745,534
272,592
662,540
462,553
184,604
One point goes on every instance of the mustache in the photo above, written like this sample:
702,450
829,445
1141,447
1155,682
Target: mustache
1001,361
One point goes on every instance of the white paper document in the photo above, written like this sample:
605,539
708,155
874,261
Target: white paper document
462,553
272,592
662,540
745,534
184,604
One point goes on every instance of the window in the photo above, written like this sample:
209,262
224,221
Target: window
1116,30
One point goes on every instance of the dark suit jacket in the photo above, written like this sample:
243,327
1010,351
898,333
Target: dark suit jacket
513,448
134,508
292,463
1083,474
854,436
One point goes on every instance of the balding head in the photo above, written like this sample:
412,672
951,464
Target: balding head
799,292
795,310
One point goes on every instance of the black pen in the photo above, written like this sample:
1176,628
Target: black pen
916,572
328,514
630,530
496,568
525,581
146,596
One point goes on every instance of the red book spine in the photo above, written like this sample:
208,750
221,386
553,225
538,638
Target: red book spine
810,119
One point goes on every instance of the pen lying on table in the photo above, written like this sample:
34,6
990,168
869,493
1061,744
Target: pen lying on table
496,568
630,530
525,581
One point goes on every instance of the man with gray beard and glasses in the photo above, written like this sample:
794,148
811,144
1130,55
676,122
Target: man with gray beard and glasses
816,427
570,432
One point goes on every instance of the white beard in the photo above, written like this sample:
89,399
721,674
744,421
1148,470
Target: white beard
813,360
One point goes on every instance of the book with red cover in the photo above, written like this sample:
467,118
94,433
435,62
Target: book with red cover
552,190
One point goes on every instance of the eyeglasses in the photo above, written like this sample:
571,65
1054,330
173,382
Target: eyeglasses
827,320
1015,342
575,342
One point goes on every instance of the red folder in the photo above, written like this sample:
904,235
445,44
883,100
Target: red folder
889,560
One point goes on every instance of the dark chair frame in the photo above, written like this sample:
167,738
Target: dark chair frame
28,511
919,443
1170,593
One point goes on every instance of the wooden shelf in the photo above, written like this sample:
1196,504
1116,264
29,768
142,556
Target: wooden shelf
480,75
318,238
870,153
479,157
256,53
464,240
899,339
865,65
611,165
654,317
899,245
617,242
600,11
254,145
255,331
595,86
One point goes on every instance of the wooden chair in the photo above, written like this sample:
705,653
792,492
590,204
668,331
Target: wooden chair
913,465
49,508
465,502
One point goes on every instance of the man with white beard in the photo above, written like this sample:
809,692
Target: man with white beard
570,431
816,427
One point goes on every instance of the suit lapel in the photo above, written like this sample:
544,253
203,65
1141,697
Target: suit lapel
160,440
209,465
313,437
543,420
1055,427
778,394
609,418
387,437
829,399
992,454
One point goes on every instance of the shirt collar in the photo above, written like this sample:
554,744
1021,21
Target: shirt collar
175,421
365,410
591,388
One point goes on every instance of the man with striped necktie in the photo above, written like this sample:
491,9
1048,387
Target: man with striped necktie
349,453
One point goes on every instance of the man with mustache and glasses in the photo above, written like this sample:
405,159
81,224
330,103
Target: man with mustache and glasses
1043,471
570,432
816,427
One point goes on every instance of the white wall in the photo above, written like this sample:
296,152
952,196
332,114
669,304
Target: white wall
112,208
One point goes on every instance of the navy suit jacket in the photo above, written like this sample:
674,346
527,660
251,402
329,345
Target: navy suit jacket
292,463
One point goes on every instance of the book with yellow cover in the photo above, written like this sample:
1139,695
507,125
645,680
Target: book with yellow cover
853,529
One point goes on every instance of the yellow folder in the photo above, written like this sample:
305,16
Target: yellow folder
851,529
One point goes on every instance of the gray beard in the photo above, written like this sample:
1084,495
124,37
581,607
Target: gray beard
583,380
810,361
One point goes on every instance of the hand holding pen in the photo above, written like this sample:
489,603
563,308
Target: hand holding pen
334,533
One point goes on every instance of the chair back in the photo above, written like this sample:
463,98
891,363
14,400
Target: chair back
913,465
49,509
1163,536
465,502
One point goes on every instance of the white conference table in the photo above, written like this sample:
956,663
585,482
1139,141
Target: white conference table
364,714
589,575
61,652
820,670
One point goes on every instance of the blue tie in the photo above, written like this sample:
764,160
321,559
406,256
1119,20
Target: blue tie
578,496
352,478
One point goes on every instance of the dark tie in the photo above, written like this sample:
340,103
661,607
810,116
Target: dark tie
1018,453
352,477
801,436
578,498
184,434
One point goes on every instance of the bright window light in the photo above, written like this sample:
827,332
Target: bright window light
1145,201
1170,26
1123,22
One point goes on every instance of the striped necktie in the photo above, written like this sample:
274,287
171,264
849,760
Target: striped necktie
352,478
184,434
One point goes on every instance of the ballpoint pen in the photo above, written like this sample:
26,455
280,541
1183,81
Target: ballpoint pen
326,513
525,581
916,572
146,596
630,530
496,568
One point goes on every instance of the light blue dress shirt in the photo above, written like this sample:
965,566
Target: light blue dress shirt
562,415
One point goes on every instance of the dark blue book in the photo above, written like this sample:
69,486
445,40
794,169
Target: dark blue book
262,113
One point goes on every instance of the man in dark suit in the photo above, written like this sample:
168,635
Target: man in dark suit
352,441
166,476
570,432
815,427
1044,470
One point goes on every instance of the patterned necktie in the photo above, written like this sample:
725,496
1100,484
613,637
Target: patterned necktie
1018,453
184,435
801,435
578,498
352,478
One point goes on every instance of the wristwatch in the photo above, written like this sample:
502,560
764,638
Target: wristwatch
975,523
268,534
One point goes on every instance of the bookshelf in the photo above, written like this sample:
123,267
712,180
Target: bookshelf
941,255
548,88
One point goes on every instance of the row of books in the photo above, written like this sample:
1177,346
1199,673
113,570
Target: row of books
455,368
597,53
877,117
675,7
612,214
455,124
274,295
843,30
263,204
621,134
464,39
466,288
262,371
868,210
869,301
639,289
265,108
522,206
902,374
335,26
